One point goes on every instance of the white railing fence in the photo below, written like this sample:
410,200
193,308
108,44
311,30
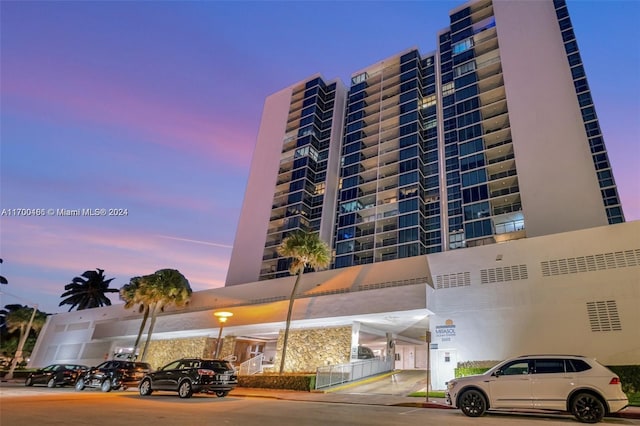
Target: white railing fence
251,366
332,375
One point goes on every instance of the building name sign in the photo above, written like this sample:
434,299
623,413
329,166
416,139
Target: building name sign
445,332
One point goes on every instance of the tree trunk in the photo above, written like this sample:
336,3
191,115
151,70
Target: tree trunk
286,330
154,310
144,322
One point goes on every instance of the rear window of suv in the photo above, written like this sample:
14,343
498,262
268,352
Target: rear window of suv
577,365
216,365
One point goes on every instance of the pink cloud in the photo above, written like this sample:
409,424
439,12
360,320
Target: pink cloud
56,252
85,95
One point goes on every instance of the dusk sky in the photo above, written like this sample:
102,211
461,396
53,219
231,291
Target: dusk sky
154,107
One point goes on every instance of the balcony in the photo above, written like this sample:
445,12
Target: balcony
505,191
497,138
494,109
507,208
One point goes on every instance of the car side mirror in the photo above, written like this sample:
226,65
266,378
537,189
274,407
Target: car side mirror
497,373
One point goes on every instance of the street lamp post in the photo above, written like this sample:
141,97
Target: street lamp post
222,318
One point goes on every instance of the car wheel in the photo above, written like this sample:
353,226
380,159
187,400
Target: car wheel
80,384
587,408
185,390
28,382
222,394
106,385
51,383
472,403
145,387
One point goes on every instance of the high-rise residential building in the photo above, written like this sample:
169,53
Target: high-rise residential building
491,137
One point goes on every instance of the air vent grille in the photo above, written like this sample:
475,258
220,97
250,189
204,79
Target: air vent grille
603,316
504,274
458,279
590,263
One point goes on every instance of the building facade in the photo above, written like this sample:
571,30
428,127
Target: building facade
491,137
574,292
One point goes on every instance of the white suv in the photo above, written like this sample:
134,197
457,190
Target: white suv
576,384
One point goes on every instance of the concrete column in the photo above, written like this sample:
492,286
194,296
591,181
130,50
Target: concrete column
355,340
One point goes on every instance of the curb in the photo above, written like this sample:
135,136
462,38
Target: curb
436,405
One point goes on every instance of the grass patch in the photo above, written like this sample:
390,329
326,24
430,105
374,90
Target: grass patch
432,394
634,399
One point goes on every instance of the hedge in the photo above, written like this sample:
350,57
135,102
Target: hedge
298,382
629,376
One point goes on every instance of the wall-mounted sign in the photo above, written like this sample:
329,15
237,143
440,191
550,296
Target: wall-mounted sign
446,332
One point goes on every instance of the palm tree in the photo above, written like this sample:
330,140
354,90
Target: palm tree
165,287
3,280
131,295
306,250
88,291
17,318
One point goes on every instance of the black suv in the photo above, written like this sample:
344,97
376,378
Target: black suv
113,375
189,375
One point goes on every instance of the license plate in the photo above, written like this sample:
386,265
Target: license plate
224,377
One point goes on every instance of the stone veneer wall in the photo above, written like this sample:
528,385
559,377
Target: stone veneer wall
162,352
228,347
310,348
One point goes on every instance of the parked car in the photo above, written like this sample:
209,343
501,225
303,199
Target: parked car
113,375
365,353
576,384
190,375
56,375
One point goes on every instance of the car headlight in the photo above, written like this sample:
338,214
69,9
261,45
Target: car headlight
450,384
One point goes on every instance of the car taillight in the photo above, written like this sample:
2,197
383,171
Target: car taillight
205,372
615,381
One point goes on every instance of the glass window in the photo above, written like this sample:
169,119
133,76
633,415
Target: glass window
407,206
408,165
478,229
409,153
344,247
464,68
448,89
428,101
467,92
467,148
476,211
548,366
408,220
514,368
346,233
462,46
344,261
408,178
472,162
473,178
476,193
577,365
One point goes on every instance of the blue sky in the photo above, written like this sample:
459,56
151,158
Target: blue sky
154,107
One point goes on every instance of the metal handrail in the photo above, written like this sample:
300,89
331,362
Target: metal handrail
251,366
332,375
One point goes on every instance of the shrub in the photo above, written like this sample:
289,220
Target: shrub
298,382
629,376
